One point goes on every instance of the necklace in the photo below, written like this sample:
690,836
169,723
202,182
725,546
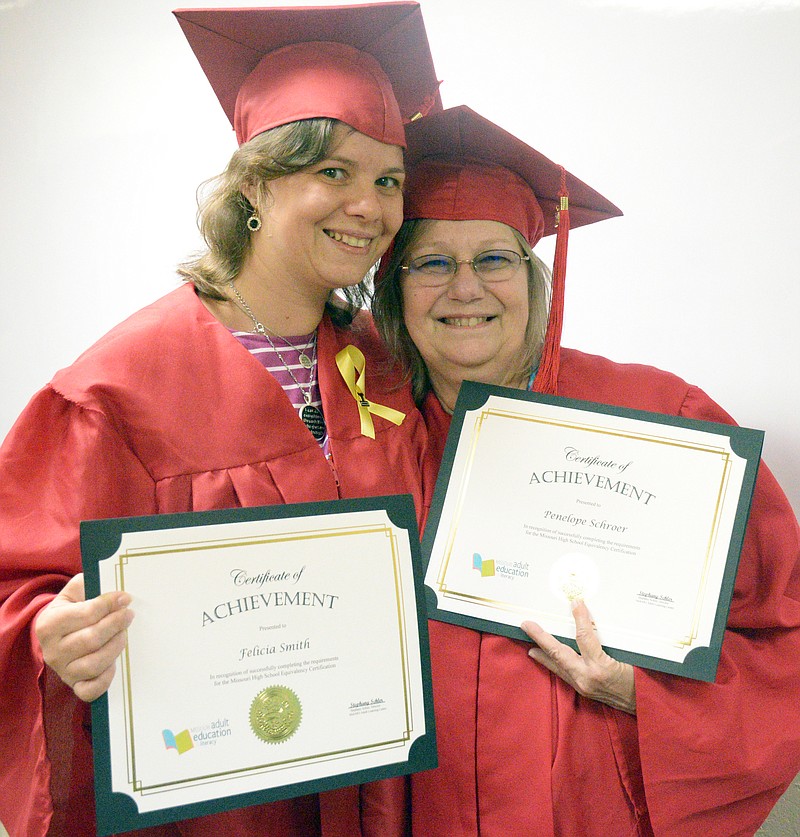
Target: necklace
259,328
311,416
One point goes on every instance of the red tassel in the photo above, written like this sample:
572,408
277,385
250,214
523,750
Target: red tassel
547,376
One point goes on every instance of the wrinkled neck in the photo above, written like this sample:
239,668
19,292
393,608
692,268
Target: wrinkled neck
446,387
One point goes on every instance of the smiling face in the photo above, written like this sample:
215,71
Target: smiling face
467,329
324,227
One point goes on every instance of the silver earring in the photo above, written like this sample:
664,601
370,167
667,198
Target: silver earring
254,223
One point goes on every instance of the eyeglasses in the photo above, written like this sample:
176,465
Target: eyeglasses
435,270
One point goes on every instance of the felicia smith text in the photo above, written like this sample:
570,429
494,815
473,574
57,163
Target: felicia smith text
267,650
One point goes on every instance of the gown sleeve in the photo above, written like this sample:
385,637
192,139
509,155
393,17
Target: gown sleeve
61,463
717,756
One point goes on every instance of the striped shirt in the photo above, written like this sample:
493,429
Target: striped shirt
270,358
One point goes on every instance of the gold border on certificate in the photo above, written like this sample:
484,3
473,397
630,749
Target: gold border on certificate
137,783
323,684
685,641
531,510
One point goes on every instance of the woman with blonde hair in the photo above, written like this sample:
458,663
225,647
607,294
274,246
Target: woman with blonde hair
224,393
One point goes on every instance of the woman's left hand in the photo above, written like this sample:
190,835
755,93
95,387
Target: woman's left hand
592,673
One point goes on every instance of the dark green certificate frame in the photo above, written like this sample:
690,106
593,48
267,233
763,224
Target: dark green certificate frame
541,499
255,573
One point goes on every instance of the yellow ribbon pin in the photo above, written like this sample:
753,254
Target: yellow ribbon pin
352,367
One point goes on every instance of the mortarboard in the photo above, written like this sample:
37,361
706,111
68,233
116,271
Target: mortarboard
458,163
464,167
369,65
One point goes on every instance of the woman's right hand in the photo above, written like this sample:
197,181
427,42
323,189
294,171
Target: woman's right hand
81,640
591,672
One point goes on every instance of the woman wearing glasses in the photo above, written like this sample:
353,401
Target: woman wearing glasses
568,744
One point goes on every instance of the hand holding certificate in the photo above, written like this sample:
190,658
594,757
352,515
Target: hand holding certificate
542,501
275,652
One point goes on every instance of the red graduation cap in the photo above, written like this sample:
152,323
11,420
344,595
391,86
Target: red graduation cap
369,65
473,161
463,167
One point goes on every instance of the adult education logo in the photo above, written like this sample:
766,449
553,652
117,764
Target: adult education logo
203,735
485,568
182,742
509,570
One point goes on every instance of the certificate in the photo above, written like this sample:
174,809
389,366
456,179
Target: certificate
541,500
275,652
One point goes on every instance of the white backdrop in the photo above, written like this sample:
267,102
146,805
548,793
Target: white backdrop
683,112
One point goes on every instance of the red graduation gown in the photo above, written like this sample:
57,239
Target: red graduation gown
166,413
522,755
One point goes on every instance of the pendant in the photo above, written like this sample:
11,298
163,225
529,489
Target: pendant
314,421
305,361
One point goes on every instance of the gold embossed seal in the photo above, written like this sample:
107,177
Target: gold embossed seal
275,714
